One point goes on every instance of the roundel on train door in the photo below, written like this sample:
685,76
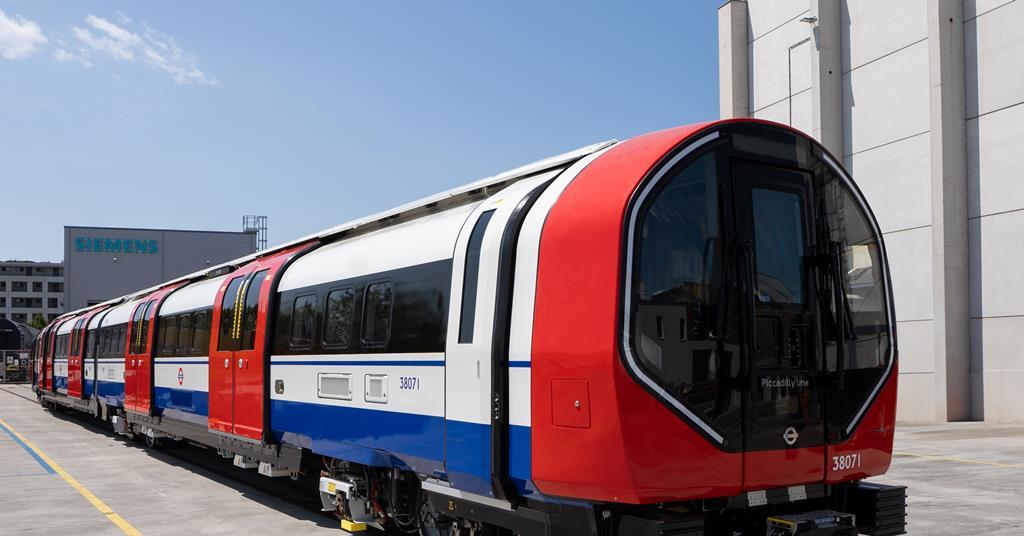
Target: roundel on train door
181,376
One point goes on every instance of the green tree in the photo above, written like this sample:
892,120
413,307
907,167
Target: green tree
38,321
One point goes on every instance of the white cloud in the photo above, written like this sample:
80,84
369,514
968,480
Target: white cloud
19,37
156,49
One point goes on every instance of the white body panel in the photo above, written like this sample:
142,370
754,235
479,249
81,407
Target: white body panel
94,322
419,241
195,375
301,381
525,292
198,295
60,370
120,314
110,370
468,365
66,327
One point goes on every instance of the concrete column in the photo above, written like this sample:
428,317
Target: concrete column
827,75
949,210
733,64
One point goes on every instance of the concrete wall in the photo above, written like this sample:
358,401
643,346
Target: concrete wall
994,60
779,52
92,276
903,129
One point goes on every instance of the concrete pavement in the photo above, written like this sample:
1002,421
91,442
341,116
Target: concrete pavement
963,478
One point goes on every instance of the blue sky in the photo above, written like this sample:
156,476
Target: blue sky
191,114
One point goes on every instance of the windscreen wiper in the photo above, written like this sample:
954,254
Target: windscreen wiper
720,329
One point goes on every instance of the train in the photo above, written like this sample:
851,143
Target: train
687,332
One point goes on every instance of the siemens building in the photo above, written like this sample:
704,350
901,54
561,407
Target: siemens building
101,263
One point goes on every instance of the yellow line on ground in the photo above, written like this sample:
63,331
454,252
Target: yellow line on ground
959,460
121,523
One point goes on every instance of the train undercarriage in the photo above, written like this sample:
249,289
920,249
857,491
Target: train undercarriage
394,501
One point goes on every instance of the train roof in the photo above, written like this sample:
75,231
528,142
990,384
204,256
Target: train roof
455,196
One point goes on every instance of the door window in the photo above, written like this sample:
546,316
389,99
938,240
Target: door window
229,315
252,300
470,277
778,246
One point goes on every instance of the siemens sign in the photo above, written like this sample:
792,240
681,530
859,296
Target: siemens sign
116,245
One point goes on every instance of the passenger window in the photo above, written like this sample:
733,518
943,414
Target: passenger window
471,277
338,319
169,340
201,333
303,321
183,347
252,299
377,314
105,342
228,320
93,343
121,332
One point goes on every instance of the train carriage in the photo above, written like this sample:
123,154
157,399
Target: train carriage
687,332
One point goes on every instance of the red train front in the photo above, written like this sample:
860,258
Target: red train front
737,341
687,332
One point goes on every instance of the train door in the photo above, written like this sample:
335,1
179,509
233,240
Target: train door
242,348
142,342
136,359
479,418
93,347
38,358
784,425
239,356
50,353
75,358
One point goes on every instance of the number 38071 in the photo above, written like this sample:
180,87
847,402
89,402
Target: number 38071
848,461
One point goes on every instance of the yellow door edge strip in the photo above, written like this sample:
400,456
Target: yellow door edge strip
113,517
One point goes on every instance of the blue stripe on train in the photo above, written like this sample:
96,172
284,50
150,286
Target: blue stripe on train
60,382
111,392
469,459
388,438
371,437
197,402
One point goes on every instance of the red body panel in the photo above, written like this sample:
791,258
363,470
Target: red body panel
635,450
48,362
871,441
75,362
75,366
138,382
237,394
131,364
777,468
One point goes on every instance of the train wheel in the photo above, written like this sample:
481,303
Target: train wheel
154,443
